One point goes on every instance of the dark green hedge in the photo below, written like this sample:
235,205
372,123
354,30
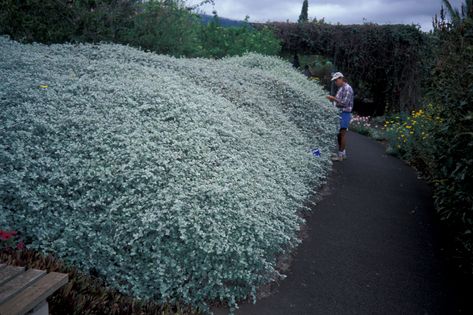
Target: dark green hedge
58,21
383,62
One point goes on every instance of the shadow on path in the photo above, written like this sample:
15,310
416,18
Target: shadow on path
371,245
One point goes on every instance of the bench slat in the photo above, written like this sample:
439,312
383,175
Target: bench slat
34,294
15,285
9,272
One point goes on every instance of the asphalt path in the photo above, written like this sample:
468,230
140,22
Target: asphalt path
371,245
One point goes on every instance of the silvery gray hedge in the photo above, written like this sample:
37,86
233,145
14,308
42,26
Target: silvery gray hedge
176,179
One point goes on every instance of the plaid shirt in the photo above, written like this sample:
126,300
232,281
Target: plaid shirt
344,98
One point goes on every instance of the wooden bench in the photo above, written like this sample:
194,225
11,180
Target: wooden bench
25,291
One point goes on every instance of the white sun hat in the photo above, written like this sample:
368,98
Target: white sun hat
337,75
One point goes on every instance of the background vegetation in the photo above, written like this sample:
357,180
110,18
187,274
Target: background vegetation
439,138
384,63
162,26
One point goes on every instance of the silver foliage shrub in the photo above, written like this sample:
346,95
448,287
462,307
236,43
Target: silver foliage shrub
175,179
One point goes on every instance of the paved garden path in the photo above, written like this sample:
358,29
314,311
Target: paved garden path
370,247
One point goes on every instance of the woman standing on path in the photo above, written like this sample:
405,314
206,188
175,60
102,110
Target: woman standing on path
344,101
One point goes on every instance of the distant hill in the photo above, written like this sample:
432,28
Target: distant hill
223,21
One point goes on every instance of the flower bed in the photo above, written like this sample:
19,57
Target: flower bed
406,132
368,126
174,179
361,124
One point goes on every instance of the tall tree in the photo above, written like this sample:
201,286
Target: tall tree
304,17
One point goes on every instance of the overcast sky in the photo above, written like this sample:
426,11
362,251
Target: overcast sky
343,11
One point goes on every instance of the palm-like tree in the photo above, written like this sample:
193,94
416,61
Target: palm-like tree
457,15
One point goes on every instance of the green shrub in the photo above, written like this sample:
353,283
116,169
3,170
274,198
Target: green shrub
165,27
37,20
406,132
59,21
441,141
432,140
320,67
451,90
218,41
179,180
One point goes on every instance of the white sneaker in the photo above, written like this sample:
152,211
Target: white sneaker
337,157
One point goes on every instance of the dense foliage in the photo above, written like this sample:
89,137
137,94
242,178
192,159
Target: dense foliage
165,28
176,179
383,62
452,152
162,26
55,21
406,131
219,41
439,138
320,68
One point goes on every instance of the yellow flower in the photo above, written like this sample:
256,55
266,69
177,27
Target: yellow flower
43,86
409,127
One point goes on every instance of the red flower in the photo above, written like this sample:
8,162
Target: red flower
4,235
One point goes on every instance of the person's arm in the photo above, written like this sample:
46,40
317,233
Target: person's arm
344,100
338,102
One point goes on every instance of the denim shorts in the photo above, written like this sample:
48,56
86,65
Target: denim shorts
345,118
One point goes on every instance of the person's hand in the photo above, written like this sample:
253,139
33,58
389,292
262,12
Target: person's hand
331,98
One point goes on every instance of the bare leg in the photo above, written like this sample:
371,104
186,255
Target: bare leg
342,142
339,139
